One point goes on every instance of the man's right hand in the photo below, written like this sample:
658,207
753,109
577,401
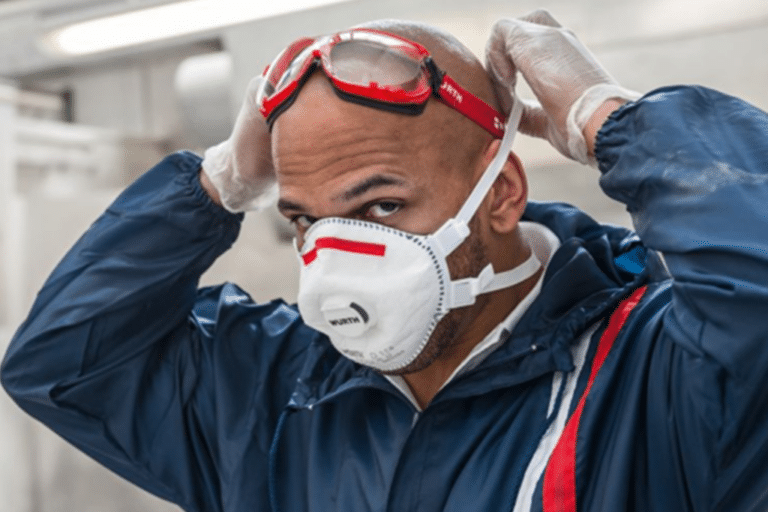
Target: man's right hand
237,172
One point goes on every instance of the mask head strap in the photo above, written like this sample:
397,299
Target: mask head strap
456,229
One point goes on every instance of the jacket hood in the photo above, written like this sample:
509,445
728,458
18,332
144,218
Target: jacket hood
594,268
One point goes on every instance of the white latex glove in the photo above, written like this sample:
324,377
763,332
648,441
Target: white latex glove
240,168
568,82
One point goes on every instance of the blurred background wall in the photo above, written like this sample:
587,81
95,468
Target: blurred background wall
75,130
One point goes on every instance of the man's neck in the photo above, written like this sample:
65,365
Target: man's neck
492,308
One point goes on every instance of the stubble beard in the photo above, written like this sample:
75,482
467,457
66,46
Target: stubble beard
468,260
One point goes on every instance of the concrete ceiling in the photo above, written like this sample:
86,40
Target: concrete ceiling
602,23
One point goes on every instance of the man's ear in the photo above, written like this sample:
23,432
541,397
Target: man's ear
509,193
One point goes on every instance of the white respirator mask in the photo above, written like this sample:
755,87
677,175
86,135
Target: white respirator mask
378,292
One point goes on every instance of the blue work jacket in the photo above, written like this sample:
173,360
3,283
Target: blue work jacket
216,403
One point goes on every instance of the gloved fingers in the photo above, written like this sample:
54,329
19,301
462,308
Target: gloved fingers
497,58
534,121
252,93
541,17
544,19
499,65
518,45
241,167
249,110
559,70
506,99
251,133
504,93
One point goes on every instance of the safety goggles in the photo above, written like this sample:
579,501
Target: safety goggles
371,68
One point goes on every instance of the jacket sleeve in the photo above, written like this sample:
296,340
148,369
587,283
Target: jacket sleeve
691,164
111,356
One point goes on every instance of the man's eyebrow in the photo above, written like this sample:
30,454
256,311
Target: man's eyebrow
378,180
375,181
286,205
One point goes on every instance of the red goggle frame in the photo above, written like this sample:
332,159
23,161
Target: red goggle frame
361,65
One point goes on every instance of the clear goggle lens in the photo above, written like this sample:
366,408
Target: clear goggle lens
370,62
359,58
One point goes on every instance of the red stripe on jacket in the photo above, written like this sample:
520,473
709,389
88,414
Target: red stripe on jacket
559,493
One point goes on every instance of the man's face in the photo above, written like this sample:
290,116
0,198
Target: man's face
338,159
335,158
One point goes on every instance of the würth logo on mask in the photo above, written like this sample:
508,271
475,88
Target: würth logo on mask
345,321
361,317
340,244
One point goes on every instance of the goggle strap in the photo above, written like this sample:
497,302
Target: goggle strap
456,97
455,230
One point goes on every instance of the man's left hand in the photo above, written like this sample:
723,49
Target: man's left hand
569,83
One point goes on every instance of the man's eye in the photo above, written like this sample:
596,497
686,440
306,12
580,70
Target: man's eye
383,209
302,221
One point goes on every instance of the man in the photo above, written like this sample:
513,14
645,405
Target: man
540,361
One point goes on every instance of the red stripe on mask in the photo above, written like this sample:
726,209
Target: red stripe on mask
340,244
